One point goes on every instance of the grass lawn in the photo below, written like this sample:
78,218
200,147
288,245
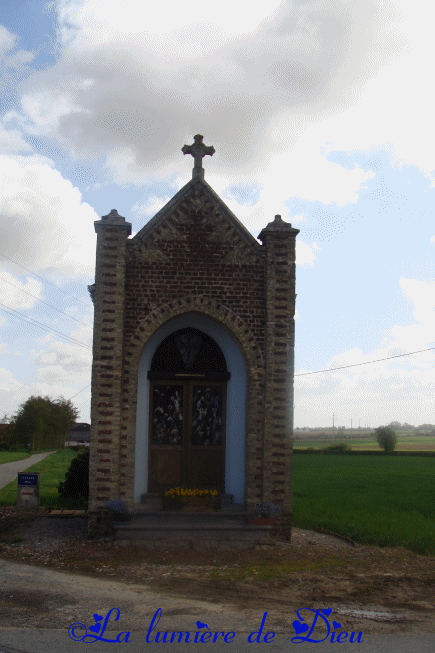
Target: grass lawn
380,500
52,470
10,456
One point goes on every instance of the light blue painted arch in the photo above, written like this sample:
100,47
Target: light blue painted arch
236,404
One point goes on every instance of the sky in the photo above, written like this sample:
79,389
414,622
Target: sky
320,112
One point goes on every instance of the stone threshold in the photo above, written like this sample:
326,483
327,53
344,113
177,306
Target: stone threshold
66,513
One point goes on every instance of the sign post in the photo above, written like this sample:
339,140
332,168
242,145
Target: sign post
28,490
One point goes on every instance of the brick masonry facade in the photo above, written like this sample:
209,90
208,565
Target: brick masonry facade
194,256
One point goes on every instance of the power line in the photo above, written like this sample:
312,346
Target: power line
332,369
77,393
46,303
44,279
40,325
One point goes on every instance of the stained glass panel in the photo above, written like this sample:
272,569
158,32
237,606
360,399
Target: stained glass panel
167,414
207,415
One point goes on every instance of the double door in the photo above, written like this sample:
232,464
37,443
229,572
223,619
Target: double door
187,434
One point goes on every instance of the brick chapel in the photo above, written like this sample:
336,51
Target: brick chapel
193,353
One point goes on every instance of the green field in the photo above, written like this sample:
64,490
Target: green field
10,456
52,470
380,500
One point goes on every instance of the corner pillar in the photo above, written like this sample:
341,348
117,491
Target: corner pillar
106,404
279,241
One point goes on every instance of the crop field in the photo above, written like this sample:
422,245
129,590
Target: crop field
361,440
379,500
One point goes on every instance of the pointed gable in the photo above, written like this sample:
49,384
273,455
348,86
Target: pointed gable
196,220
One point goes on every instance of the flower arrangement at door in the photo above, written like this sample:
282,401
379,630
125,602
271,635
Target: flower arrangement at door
178,492
191,499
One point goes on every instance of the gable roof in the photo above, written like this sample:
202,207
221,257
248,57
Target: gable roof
182,195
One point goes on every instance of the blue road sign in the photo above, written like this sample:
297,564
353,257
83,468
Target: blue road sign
28,479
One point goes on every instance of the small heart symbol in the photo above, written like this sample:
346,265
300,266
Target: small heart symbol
299,628
97,617
201,625
336,624
95,628
327,611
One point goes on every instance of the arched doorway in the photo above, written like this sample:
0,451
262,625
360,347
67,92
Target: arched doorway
187,412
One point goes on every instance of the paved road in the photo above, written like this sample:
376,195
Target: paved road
9,471
39,605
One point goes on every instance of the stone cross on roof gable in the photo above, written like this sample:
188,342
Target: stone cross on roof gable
198,150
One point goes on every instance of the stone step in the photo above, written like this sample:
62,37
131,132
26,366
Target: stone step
66,513
223,529
226,514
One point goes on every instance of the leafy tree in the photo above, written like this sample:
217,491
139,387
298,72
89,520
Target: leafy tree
395,425
386,438
43,422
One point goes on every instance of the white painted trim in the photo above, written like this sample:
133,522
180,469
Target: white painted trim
236,404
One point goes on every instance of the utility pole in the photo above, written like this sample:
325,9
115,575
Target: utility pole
333,428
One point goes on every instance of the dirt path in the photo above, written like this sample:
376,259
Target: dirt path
369,589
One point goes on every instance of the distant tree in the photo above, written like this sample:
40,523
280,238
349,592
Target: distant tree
425,427
386,438
5,419
43,422
395,425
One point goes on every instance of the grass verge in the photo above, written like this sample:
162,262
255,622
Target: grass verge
11,456
52,470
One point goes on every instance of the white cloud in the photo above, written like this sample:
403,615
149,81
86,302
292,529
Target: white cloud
306,254
19,58
44,223
12,141
250,78
10,294
11,62
148,208
8,383
7,40
398,389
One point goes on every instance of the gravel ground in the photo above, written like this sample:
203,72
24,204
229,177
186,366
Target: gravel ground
375,589
47,534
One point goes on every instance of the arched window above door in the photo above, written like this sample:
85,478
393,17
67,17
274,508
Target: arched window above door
189,353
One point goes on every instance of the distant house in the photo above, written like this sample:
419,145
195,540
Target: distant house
79,436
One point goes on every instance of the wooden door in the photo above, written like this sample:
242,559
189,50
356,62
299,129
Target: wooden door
187,434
